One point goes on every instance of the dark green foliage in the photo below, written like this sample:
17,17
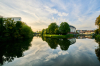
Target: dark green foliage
43,31
64,28
97,31
64,44
97,21
97,50
11,30
97,37
53,42
12,49
52,27
26,31
1,26
59,36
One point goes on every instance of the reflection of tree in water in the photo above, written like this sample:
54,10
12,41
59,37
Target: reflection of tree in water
97,51
54,42
10,50
64,44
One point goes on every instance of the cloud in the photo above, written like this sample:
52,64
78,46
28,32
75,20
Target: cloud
62,14
39,14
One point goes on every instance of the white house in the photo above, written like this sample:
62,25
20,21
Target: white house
1,16
72,29
14,18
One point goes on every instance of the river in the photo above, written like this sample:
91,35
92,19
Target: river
81,51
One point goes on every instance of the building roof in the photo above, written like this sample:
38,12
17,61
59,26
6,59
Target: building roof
1,16
72,26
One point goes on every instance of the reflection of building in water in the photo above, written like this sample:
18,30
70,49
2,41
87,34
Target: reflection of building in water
84,37
85,31
72,40
81,37
88,37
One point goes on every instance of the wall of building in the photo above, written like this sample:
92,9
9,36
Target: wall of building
14,18
72,29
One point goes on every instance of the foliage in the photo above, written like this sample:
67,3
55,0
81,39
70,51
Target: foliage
26,31
97,21
14,30
97,50
64,28
12,49
1,26
56,31
52,28
59,36
42,31
64,43
97,31
98,37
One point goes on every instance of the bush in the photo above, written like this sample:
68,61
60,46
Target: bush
14,30
98,37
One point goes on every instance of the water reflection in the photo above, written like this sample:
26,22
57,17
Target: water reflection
64,43
97,51
84,37
10,50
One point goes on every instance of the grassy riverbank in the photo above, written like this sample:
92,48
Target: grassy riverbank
58,36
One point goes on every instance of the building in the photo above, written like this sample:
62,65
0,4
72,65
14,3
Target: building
85,31
14,18
1,16
89,32
72,29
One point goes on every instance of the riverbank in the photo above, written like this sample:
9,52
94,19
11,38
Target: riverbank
58,36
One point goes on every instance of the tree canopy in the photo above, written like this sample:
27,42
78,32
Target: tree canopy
97,21
9,29
64,28
52,27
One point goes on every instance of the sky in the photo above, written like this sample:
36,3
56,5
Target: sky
38,14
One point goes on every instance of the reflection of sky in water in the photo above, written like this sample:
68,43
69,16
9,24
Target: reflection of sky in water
82,53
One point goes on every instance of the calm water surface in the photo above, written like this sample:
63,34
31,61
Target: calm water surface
54,52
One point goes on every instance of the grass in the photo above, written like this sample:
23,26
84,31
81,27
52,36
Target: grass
58,36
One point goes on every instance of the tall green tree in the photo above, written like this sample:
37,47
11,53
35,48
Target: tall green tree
97,21
1,26
64,28
52,28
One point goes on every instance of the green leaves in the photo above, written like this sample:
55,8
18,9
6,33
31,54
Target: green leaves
15,30
52,28
64,28
97,21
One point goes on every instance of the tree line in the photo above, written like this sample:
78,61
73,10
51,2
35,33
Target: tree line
53,28
9,29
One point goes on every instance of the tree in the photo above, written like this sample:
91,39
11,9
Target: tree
1,26
97,21
26,31
97,31
52,28
64,28
56,31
